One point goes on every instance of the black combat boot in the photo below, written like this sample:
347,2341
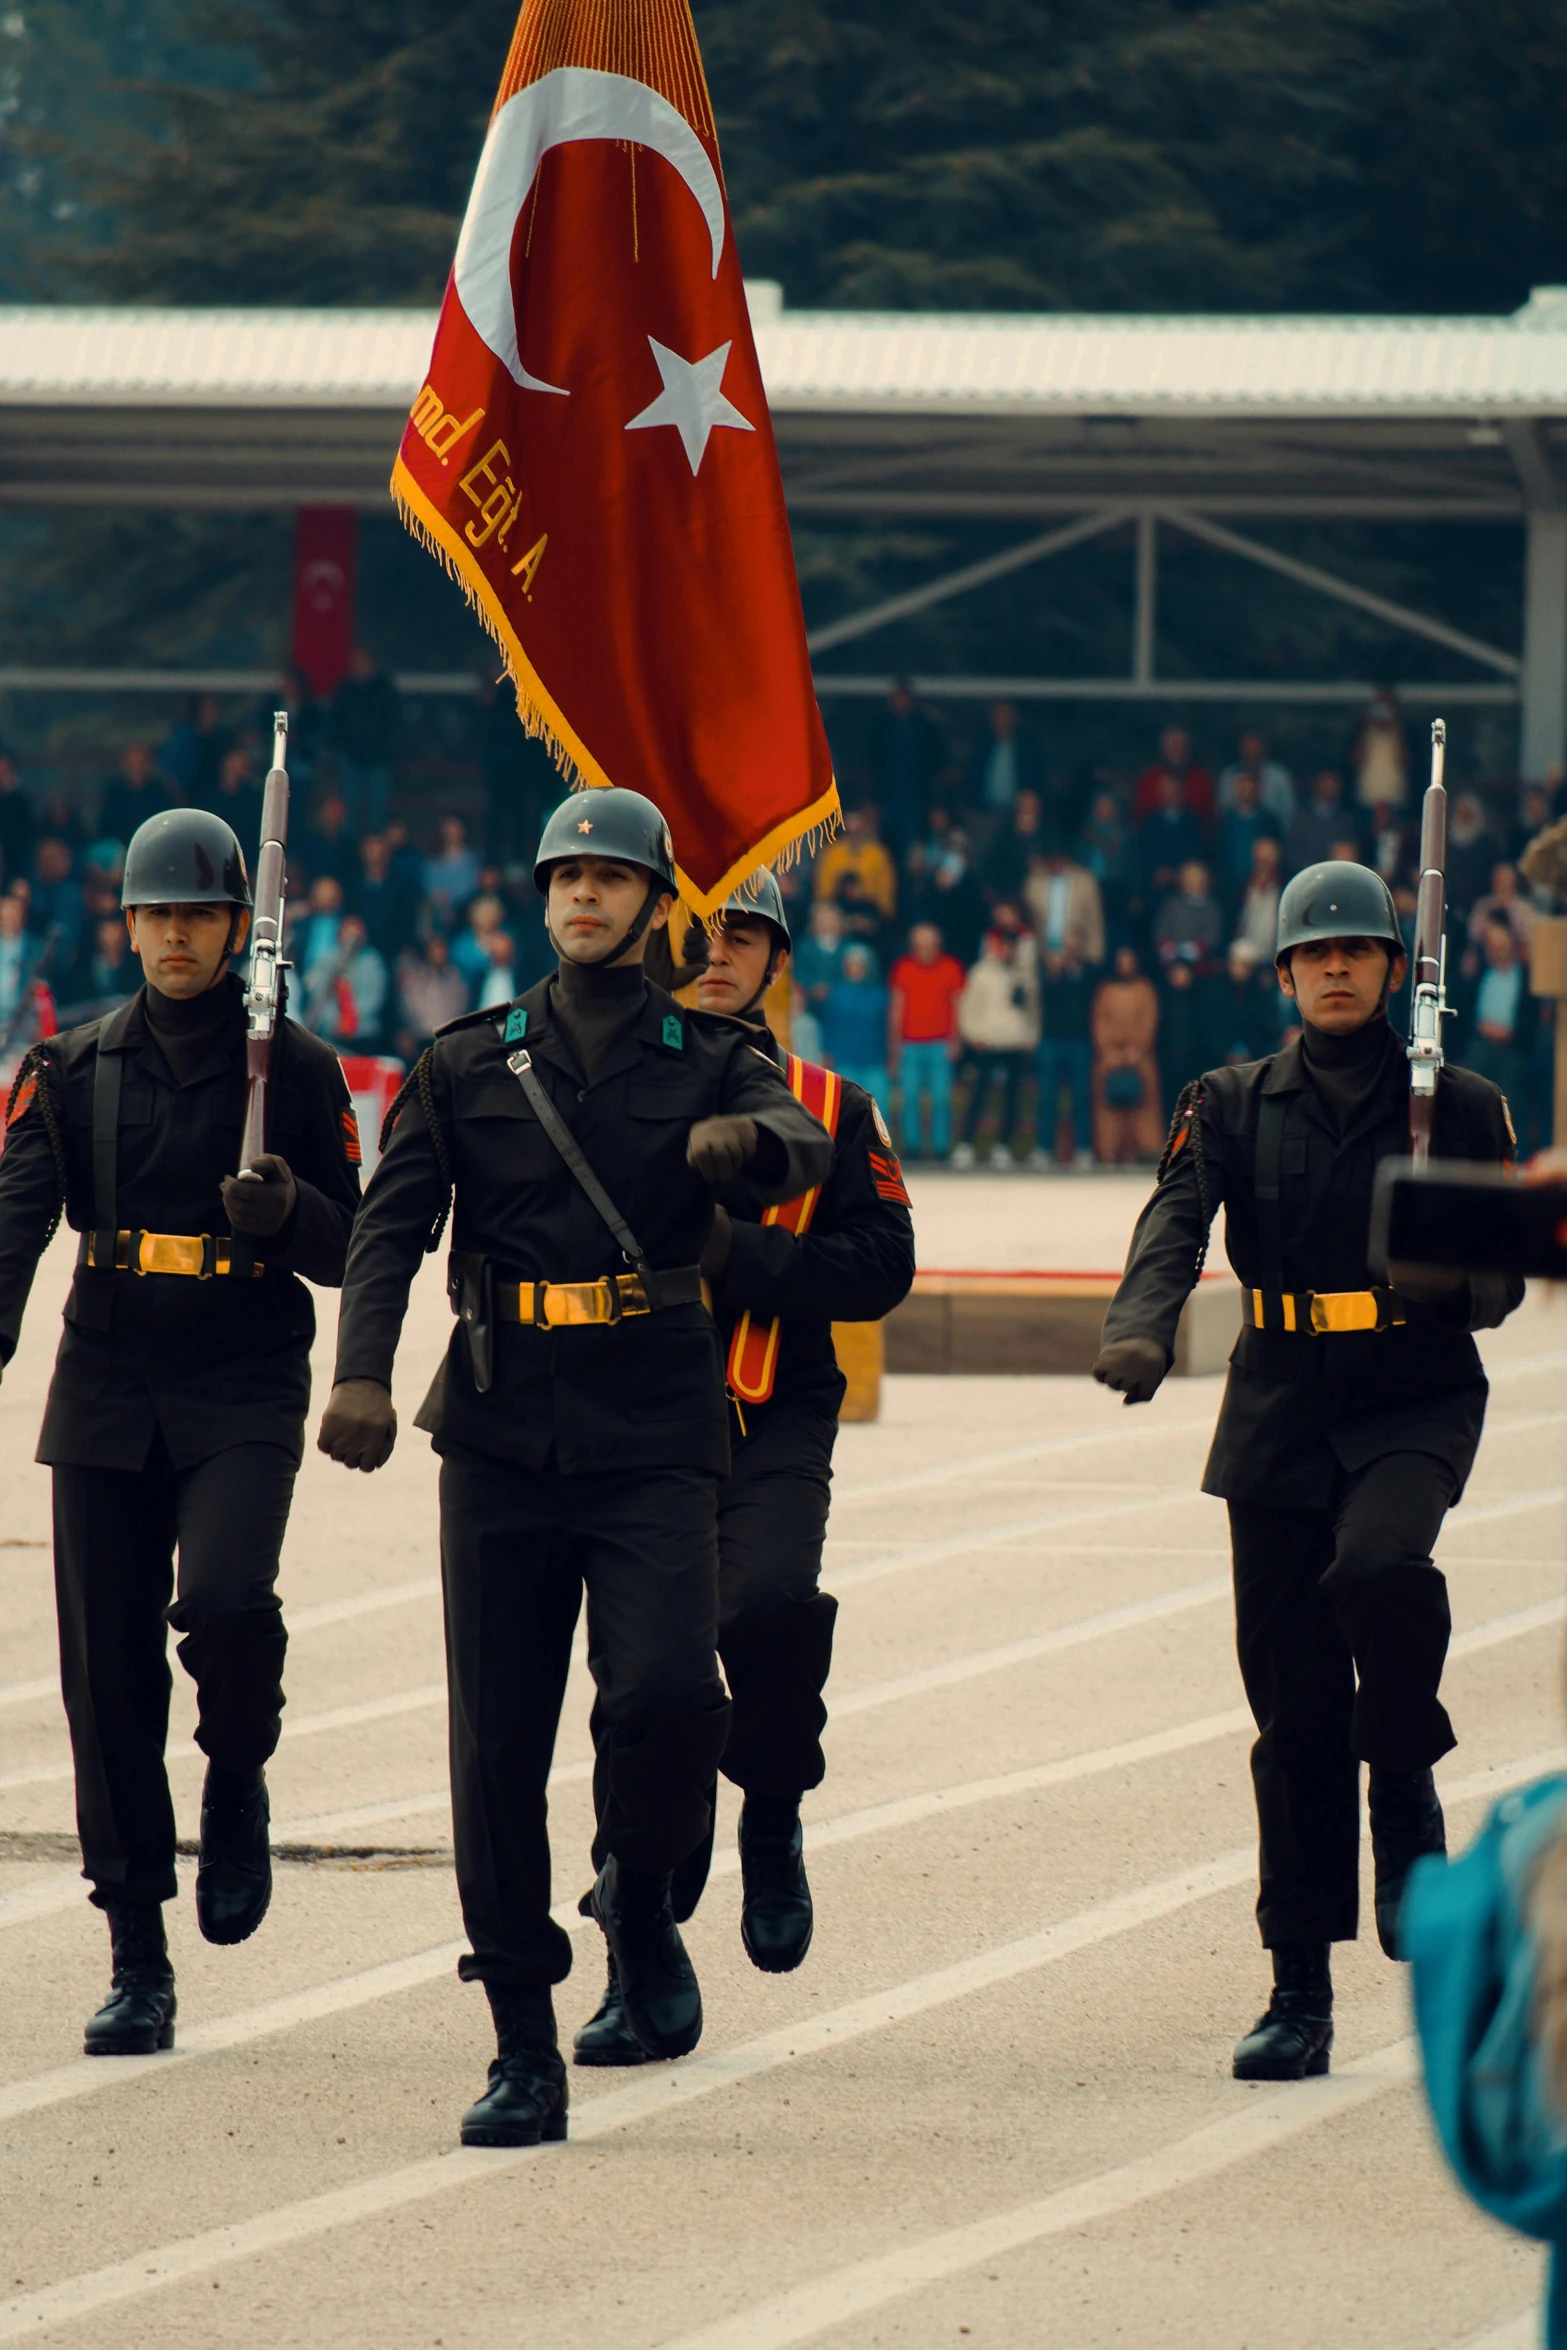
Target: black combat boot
234,1872
776,1917
607,2038
526,2098
658,1985
1406,1821
1292,2041
137,2018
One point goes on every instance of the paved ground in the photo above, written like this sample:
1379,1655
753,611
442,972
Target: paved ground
994,2104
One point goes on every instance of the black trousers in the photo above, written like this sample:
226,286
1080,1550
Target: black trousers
518,1550
1342,1624
775,1624
116,1532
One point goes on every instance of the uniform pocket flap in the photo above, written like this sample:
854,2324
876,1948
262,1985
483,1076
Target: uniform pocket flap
674,1096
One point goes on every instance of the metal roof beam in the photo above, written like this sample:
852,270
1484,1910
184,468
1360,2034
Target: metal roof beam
958,583
1171,690
1020,505
1343,590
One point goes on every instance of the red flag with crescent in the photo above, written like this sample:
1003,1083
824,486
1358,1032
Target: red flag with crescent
591,451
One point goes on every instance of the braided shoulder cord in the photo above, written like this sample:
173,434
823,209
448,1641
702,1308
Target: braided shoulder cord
1186,1128
420,1080
35,1062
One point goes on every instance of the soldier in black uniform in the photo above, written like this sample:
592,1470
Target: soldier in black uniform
579,1416
176,1412
1348,1428
853,1262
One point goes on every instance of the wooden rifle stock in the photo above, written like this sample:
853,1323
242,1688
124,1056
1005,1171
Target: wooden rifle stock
263,996
1428,1004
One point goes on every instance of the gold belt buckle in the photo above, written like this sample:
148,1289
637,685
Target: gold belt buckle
575,1304
1338,1311
172,1252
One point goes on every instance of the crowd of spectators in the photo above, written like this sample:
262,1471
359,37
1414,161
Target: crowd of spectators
1024,974
1015,972
389,937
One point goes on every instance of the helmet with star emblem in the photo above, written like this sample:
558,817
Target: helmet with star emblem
607,823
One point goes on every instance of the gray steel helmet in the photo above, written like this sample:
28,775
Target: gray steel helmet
184,857
1337,900
607,823
760,898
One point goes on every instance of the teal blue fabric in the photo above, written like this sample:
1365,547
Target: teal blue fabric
1464,1929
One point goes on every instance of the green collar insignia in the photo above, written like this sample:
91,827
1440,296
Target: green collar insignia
516,1025
674,1032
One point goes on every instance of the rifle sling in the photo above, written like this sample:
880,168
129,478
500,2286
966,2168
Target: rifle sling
1272,1110
107,1072
520,1063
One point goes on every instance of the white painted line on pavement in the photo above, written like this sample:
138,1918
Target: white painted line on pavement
991,1537
86,2076
21,1692
648,2097
368,1603
952,1472
338,1717
1524,2332
866,2285
652,2095
1538,1500
1035,1644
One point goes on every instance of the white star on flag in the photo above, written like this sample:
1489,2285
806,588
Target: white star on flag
692,399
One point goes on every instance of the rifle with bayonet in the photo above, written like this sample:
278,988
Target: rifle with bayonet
1428,980
264,994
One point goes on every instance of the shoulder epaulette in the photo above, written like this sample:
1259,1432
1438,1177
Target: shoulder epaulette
471,1020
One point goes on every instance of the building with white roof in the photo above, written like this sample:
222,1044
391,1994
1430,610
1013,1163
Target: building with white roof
1083,424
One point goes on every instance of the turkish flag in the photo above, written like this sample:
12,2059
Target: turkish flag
591,452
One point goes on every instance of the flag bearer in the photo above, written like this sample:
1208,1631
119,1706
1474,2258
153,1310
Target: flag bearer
1349,1425
176,1412
580,1417
843,1252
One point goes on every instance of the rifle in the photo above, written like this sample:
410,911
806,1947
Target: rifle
263,997
1428,990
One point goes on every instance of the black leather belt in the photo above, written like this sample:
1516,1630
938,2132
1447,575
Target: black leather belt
198,1256
1322,1313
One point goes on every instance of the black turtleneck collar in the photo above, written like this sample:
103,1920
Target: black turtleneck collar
594,1004
1347,1070
186,1028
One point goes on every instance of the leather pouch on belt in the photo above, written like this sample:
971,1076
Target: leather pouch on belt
471,1288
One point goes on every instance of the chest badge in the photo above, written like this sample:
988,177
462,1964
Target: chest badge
516,1025
674,1032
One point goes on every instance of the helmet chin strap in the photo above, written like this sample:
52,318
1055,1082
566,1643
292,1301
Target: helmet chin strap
752,1009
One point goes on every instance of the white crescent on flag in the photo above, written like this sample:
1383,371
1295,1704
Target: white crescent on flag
573,102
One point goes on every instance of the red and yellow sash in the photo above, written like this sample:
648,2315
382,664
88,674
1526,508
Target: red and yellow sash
753,1350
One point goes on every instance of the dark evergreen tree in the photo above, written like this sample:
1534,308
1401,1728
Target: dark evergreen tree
1002,154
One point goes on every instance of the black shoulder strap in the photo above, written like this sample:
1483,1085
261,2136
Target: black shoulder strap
520,1063
105,1141
1271,1112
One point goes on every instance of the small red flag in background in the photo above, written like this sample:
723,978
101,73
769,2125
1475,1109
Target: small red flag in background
592,454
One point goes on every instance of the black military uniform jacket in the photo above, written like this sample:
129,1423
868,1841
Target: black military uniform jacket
210,1363
1297,1408
646,1392
853,1263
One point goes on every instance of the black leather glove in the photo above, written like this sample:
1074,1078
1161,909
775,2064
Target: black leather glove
260,1209
1135,1367
719,1147
359,1425
715,1249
